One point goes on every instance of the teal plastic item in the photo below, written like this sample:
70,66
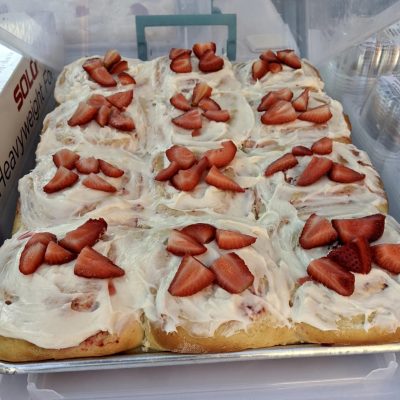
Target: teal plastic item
144,21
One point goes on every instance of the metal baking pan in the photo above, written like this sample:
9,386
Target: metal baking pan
159,359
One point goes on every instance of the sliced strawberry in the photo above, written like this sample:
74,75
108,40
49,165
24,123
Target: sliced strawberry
86,165
62,179
180,102
322,146
126,79
86,234
111,57
65,158
189,120
284,94
283,163
181,244
289,58
200,91
216,178
209,62
91,64
56,255
98,100
121,121
301,102
182,155
301,151
232,274
316,169
354,256
92,264
103,77
188,179
217,115
387,256
181,64
342,174
119,67
199,49
370,227
223,156
103,115
95,182
202,233
82,115
332,275
112,290
228,240
207,104
196,132
32,258
175,53
259,69
279,113
275,67
110,170
121,99
41,237
191,277
267,101
317,231
168,172
318,115
269,56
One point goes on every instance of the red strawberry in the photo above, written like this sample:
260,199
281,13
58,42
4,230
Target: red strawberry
322,146
289,58
301,102
318,115
223,156
207,104
92,264
280,113
86,234
111,57
200,91
370,227
191,277
196,132
267,101
301,151
228,240
32,258
41,237
86,165
283,163
354,256
98,100
332,275
65,158
269,56
181,64
179,101
82,115
284,94
91,64
232,274
110,170
199,49
217,115
209,62
188,120
175,53
181,244
62,179
95,182
126,79
387,256
119,67
103,77
342,174
259,69
55,254
316,169
317,231
112,290
121,99
216,178
121,121
275,67
202,233
103,115
167,173
188,179
180,154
